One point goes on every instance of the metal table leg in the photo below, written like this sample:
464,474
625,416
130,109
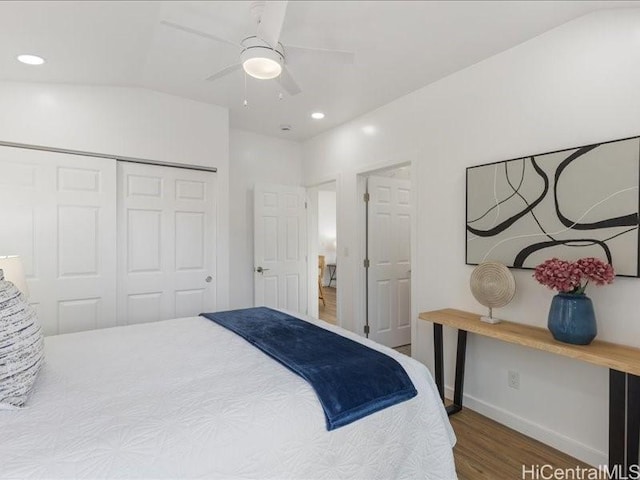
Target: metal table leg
438,357
461,353
617,387
458,389
633,421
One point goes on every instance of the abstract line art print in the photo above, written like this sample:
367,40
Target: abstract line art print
580,202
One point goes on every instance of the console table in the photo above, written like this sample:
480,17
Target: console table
623,363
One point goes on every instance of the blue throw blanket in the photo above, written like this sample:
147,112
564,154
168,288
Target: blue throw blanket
350,379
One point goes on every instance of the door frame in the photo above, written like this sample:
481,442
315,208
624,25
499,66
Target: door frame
361,245
313,247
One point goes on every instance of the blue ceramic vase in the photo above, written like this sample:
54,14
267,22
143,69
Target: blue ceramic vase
572,319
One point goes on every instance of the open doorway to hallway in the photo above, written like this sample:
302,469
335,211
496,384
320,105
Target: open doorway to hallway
387,265
327,249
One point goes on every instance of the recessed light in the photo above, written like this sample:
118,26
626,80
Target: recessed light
317,115
369,130
30,59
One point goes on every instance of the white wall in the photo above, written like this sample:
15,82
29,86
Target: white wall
572,86
130,122
327,229
254,158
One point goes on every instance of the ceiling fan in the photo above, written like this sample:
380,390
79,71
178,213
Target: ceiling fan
262,55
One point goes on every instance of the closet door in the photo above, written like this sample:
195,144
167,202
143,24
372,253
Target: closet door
166,243
57,211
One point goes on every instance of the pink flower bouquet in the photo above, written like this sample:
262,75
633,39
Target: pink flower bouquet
568,277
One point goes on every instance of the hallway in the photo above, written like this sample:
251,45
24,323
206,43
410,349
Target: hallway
328,312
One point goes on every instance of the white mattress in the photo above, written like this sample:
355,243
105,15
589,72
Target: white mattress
186,398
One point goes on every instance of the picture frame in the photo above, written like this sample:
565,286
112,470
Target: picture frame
571,203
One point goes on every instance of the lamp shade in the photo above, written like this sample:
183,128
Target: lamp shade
14,273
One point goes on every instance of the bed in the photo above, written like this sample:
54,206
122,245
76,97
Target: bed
186,398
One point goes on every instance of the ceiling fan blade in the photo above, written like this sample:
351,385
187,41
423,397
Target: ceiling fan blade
287,82
271,22
318,55
224,71
200,33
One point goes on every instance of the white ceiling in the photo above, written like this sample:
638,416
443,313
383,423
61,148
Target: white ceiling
400,46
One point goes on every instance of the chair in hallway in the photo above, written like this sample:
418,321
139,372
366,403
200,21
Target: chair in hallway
321,267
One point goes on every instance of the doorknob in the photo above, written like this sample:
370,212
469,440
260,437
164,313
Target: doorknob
261,270
208,279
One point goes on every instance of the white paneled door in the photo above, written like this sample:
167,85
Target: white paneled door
280,245
58,212
166,243
389,241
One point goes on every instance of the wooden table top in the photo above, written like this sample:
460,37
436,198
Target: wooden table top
610,355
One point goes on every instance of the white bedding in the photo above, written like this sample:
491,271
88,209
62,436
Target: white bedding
186,398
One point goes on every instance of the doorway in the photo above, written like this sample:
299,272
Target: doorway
323,247
327,253
387,266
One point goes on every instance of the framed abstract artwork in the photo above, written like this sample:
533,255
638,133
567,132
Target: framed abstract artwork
574,203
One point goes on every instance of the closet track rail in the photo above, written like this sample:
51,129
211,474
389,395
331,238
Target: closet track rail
111,157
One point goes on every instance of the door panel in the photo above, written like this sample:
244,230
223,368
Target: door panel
144,307
270,294
143,240
390,260
78,240
280,244
166,244
188,300
190,237
292,292
58,213
78,315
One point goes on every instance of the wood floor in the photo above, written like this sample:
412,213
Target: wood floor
406,349
487,450
327,312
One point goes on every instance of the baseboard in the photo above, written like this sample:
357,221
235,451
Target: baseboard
549,437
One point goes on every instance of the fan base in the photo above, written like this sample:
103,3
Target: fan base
490,320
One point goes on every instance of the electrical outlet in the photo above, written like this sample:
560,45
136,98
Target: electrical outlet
513,380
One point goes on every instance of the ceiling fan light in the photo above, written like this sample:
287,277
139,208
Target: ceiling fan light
262,63
262,68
